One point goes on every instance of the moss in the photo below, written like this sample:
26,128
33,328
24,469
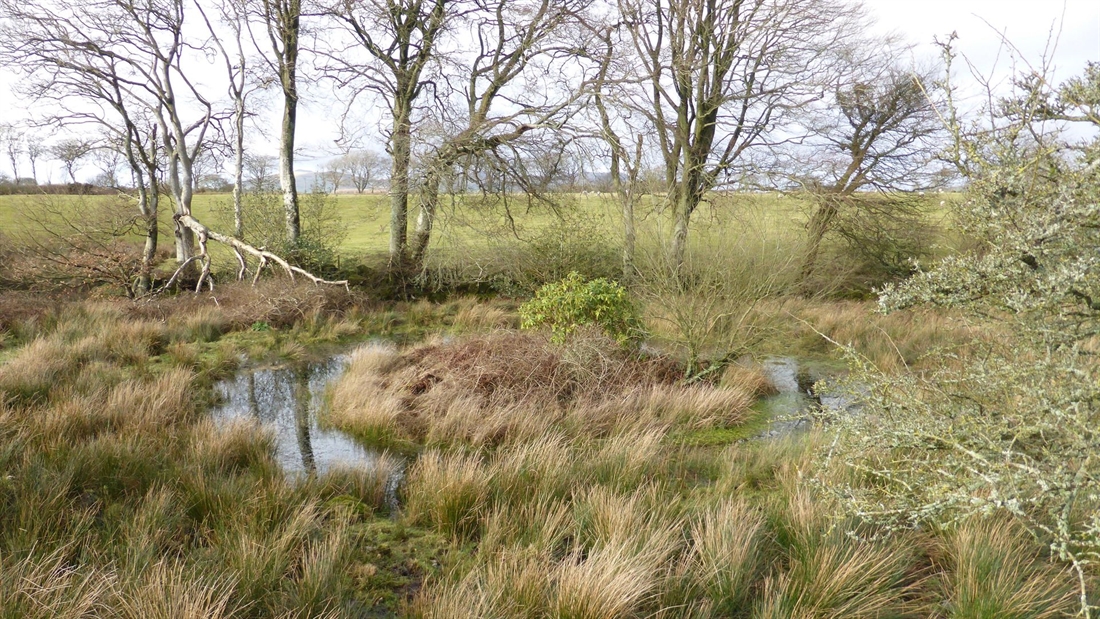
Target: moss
709,437
392,561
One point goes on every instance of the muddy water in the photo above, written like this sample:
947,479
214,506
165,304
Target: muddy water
791,408
288,400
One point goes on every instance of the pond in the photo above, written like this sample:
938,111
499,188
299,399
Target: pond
289,400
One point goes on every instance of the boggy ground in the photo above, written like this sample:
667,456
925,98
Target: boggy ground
568,478
548,482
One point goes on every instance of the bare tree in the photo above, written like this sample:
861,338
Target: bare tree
259,172
282,20
504,91
35,149
333,172
625,140
715,77
234,15
13,141
108,158
400,37
70,152
876,131
128,58
124,59
364,167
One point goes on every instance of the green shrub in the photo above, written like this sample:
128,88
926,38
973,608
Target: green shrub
573,302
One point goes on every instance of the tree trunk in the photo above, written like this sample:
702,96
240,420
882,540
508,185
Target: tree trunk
429,201
180,179
148,202
687,199
401,146
238,170
286,168
629,237
679,239
822,219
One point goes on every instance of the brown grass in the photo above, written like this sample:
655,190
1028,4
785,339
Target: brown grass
273,300
509,386
892,342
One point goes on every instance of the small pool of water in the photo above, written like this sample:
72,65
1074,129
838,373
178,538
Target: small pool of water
288,400
791,407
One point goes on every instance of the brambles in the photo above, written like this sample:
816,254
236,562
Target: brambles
573,303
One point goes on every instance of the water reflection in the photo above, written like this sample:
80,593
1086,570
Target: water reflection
288,399
799,394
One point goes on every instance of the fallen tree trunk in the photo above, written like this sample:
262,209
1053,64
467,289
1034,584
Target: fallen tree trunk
240,248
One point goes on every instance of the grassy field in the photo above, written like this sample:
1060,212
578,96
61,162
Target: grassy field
470,226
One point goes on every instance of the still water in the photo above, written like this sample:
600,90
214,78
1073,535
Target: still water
289,401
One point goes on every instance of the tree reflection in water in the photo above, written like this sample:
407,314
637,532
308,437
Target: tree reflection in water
287,399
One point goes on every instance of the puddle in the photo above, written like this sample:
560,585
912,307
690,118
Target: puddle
791,408
288,400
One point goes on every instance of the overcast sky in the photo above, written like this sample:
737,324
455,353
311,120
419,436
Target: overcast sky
1028,24
1031,26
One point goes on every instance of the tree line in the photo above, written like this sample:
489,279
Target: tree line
499,95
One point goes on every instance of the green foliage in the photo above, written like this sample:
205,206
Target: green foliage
573,303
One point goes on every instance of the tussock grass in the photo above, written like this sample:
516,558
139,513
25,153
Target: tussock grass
609,582
553,473
166,591
840,579
365,487
516,387
995,569
899,341
119,498
50,587
449,491
726,554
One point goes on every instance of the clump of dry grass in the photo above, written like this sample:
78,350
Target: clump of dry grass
995,569
892,342
368,484
237,445
840,579
168,591
726,553
450,491
361,402
747,378
35,369
513,387
146,406
50,587
273,300
476,316
611,581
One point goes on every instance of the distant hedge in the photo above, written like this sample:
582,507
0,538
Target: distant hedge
9,188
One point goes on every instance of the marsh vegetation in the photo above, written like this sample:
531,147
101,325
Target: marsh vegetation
553,394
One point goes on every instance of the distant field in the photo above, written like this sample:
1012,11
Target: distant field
470,228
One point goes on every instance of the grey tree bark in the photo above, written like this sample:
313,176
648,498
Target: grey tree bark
400,36
514,38
282,19
715,76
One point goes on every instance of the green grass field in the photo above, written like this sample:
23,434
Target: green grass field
516,243
470,219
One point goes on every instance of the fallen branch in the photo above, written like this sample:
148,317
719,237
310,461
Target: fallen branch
240,248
